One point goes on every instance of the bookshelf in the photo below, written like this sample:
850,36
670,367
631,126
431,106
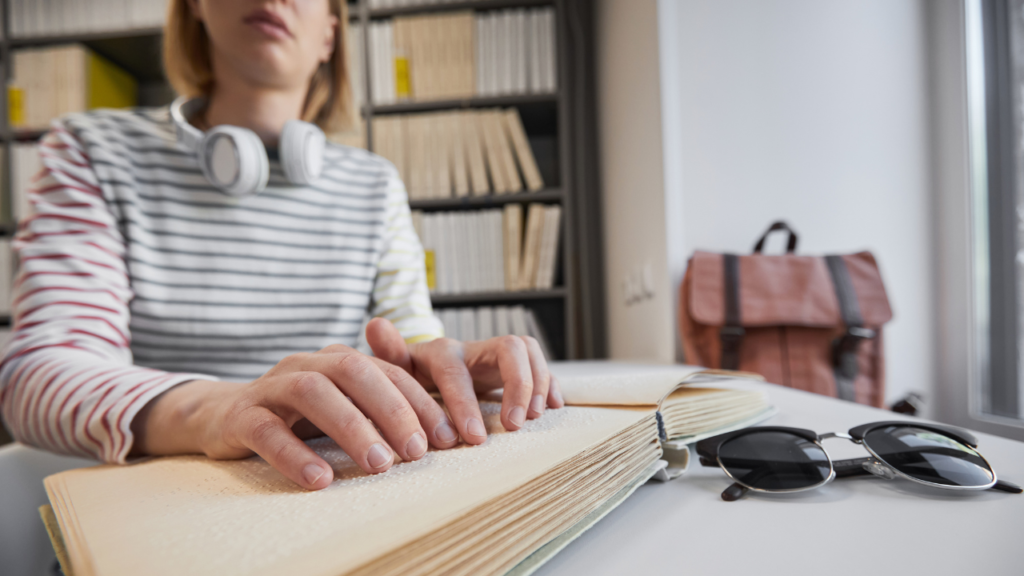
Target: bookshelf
475,102
570,313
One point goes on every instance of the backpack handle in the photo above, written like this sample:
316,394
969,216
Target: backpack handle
780,225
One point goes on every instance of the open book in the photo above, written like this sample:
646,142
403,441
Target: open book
501,507
690,407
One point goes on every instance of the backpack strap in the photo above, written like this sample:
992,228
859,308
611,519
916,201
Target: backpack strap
844,348
732,331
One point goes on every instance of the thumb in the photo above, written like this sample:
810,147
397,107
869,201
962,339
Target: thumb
387,343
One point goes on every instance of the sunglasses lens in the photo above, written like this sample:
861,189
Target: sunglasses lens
775,461
929,456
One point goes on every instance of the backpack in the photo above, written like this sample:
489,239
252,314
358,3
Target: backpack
807,322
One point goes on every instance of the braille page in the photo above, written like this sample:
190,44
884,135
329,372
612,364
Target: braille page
624,389
191,515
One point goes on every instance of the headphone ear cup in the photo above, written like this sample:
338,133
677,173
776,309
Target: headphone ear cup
302,151
234,161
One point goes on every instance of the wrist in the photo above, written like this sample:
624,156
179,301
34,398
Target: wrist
179,420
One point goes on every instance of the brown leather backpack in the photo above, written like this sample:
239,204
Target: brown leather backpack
808,322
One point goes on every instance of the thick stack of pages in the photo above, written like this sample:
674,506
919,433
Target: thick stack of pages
502,507
693,402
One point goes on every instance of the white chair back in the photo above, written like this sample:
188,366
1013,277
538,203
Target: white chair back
25,548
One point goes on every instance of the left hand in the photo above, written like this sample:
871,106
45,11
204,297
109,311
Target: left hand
460,370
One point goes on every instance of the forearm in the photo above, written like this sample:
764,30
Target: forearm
179,420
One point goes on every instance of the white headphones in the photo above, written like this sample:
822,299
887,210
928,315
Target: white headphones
234,160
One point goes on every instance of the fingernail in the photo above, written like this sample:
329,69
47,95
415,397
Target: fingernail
312,473
474,427
379,456
558,397
417,445
537,404
444,432
517,416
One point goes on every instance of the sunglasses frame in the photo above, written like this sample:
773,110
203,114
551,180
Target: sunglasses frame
708,450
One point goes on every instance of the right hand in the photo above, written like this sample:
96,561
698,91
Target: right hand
337,391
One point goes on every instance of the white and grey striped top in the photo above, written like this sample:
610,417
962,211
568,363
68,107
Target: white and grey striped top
137,275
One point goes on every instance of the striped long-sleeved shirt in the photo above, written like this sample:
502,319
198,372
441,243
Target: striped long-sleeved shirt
137,275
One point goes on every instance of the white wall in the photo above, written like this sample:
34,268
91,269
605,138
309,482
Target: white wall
812,111
630,124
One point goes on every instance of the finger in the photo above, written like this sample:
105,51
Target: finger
266,434
555,394
376,396
387,343
440,432
541,377
517,378
305,430
336,349
318,399
448,371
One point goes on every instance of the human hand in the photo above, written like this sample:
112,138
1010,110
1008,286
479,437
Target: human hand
336,391
459,370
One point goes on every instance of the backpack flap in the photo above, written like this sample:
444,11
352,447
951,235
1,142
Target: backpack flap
786,290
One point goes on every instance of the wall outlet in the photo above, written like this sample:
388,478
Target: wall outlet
638,284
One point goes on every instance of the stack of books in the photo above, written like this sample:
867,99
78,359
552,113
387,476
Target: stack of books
58,17
490,250
492,321
462,54
516,52
49,82
462,153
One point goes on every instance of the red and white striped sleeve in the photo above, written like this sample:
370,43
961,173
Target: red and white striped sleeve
67,382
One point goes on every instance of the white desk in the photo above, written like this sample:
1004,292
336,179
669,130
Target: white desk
861,526
857,526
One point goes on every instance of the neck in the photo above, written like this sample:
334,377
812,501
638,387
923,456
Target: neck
260,109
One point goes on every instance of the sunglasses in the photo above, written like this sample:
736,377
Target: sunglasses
778,459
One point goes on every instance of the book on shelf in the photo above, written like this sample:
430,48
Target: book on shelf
31,18
463,54
485,322
49,82
382,62
512,229
25,164
548,253
458,154
527,276
487,251
503,507
6,275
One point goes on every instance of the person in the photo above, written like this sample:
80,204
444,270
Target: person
165,305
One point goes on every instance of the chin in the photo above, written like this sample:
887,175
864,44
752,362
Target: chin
270,66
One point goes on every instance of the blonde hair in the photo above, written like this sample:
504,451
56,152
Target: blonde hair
187,63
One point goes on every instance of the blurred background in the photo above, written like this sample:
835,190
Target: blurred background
638,132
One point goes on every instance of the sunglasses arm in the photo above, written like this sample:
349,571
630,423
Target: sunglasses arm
733,492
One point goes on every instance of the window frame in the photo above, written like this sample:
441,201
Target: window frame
971,187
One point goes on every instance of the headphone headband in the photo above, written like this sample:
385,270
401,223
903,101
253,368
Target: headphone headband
181,110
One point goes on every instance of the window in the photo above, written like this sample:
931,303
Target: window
995,99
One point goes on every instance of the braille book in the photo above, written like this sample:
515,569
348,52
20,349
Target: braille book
503,507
